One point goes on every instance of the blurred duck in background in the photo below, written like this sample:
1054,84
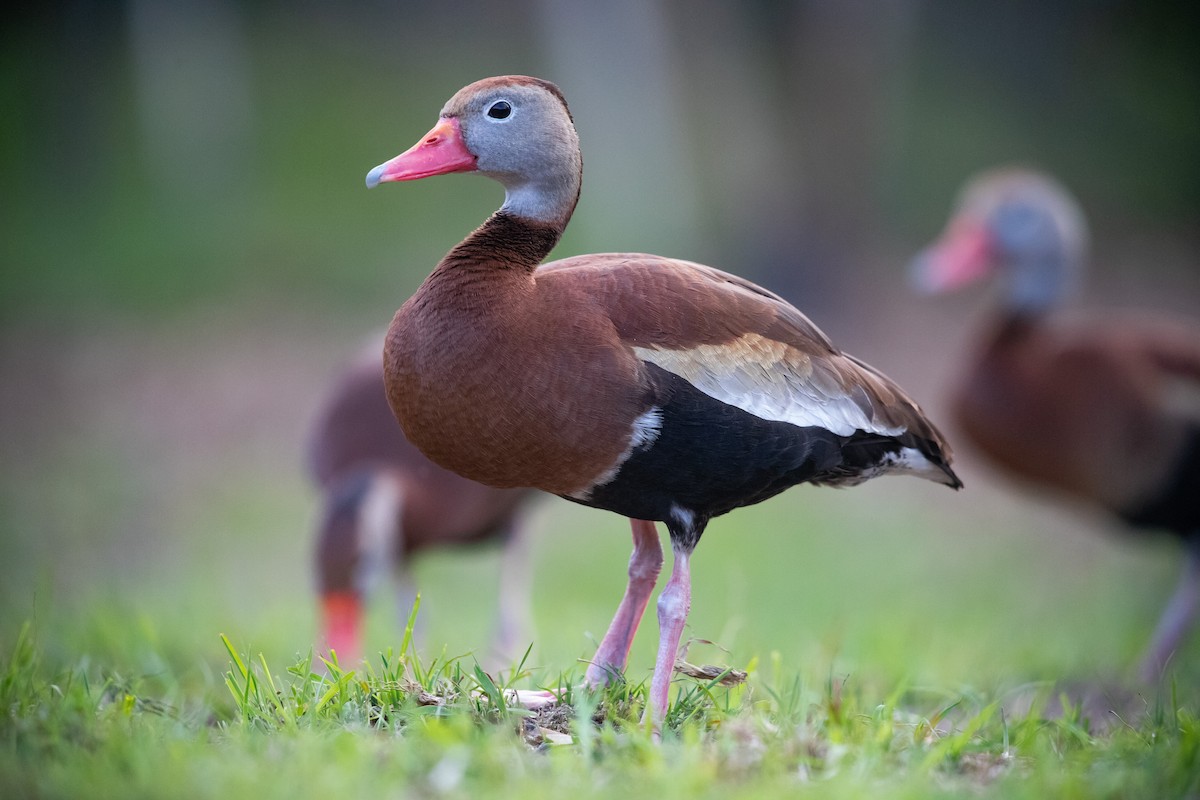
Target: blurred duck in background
1102,407
383,502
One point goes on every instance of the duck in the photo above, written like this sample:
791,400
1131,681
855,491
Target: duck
383,503
659,389
1096,407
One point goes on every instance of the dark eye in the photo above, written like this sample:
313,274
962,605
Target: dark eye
499,110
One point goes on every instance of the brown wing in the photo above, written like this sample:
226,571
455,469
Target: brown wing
1172,344
741,344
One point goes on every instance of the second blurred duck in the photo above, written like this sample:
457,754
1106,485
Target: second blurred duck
383,502
1100,407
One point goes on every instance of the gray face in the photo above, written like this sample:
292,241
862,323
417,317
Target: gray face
1025,230
522,136
1030,217
1037,232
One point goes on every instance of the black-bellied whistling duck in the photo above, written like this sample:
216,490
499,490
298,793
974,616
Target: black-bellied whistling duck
384,502
659,389
1083,406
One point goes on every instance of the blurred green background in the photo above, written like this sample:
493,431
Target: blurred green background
188,254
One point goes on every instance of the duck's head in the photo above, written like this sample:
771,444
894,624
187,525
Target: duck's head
1015,222
514,129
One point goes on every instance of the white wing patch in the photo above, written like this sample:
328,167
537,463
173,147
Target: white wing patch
770,380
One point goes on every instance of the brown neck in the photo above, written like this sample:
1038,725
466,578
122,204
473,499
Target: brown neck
1008,332
504,241
1013,323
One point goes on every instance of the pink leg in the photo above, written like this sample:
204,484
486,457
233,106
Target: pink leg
644,566
673,606
1176,621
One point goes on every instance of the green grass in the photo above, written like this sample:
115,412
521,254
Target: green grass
400,726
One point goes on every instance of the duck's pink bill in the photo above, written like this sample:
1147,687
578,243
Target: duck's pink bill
962,256
439,152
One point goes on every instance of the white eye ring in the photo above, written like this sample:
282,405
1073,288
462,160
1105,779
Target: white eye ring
499,111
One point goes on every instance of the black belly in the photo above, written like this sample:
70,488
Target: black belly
1176,506
711,457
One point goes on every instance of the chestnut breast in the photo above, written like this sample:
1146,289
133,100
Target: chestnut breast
510,382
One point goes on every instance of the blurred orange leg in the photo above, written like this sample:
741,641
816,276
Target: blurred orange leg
342,622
